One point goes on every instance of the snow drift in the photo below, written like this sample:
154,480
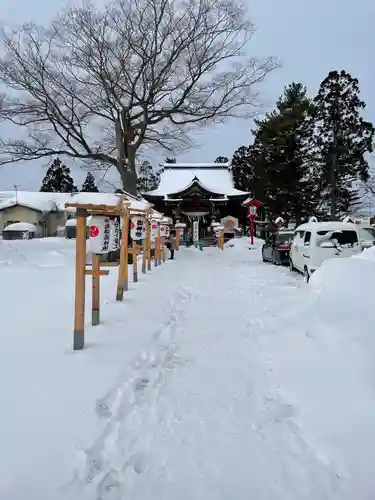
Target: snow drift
324,364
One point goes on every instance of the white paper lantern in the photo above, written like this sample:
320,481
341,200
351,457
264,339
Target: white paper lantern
100,234
154,230
114,241
138,228
163,230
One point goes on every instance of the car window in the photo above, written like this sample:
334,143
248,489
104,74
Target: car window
345,238
298,236
284,237
367,233
307,238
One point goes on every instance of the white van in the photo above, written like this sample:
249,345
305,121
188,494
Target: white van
315,242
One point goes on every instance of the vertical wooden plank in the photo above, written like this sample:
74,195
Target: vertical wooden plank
149,244
126,269
80,281
157,246
135,262
163,249
144,255
95,305
222,241
123,270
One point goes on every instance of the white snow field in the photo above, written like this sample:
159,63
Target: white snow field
218,378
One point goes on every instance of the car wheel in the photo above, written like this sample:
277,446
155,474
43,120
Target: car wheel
306,276
291,267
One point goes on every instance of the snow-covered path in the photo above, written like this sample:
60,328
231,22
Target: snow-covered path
208,382
198,414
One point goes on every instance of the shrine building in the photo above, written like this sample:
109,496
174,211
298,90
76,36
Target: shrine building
198,191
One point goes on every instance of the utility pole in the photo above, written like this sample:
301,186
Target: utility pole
16,189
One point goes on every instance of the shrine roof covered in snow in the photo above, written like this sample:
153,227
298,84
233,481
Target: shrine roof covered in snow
215,178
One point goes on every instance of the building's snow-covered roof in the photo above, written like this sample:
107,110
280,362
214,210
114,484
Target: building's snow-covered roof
48,202
94,199
43,202
214,177
21,226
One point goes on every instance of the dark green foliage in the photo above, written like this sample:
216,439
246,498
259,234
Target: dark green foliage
170,160
58,179
276,168
89,185
222,159
308,153
342,138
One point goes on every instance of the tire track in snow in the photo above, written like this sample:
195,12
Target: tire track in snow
125,408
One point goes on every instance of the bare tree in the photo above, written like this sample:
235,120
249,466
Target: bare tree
174,64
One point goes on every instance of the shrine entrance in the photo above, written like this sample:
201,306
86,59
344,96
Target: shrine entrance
198,195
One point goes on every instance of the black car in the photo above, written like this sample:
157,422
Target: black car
277,247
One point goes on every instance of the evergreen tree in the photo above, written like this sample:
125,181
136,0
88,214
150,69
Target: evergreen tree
222,159
148,178
277,168
58,179
89,185
170,160
349,200
342,138
248,170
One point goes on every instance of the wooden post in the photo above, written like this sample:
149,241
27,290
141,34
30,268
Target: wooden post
135,262
123,271
156,258
222,240
126,268
95,304
163,249
144,254
148,239
80,279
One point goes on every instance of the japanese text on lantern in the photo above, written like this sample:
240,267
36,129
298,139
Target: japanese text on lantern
138,228
107,231
115,236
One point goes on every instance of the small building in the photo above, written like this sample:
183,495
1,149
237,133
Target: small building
39,209
199,193
20,231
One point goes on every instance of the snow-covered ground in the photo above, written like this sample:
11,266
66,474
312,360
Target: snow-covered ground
218,377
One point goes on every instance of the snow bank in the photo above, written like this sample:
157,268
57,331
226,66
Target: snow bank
21,226
324,362
243,243
37,253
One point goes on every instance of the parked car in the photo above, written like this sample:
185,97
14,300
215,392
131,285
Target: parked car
277,247
366,235
315,242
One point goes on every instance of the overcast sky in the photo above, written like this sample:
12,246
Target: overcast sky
309,37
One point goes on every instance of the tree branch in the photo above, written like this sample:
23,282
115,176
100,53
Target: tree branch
177,65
